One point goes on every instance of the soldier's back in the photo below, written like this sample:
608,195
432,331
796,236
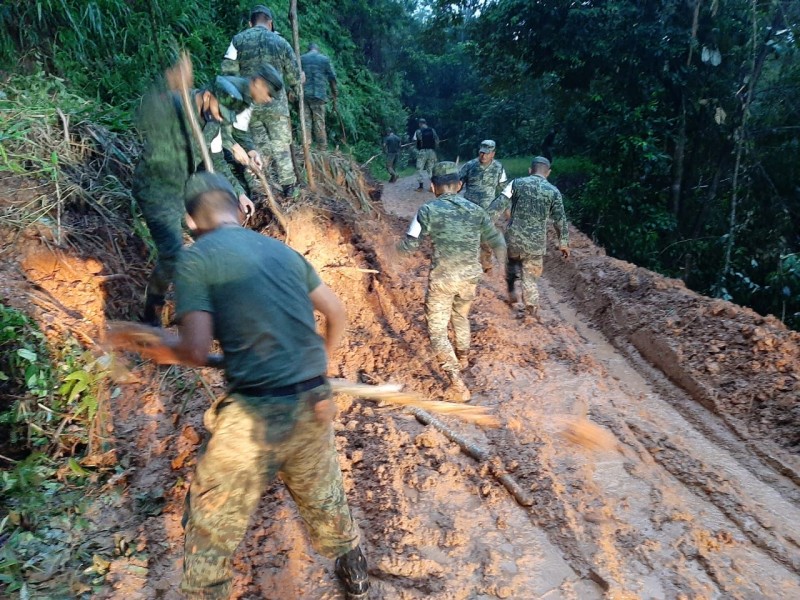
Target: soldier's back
256,46
454,225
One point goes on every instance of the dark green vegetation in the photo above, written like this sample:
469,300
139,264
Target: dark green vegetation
683,112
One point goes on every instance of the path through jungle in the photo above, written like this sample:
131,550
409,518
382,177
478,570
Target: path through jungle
678,506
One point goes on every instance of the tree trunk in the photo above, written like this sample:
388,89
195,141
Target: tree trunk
301,98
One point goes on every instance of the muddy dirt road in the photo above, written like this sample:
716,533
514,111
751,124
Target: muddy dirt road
678,507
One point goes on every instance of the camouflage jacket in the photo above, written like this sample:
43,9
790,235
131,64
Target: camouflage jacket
391,144
251,48
456,227
233,94
532,201
319,72
171,153
482,184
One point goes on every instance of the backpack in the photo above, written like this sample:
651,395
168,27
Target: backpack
427,139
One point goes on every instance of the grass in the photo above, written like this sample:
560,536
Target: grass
517,166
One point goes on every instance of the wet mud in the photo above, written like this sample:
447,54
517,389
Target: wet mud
692,493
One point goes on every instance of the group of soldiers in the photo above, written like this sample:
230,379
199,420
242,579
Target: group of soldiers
258,297
463,232
246,128
253,294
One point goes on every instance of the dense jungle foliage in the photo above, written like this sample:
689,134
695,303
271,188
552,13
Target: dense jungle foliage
682,115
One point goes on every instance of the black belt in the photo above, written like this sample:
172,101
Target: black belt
285,390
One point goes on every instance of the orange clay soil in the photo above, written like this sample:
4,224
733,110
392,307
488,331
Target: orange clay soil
690,490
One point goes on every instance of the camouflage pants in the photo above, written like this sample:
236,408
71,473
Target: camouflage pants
449,301
314,112
391,163
272,135
425,161
528,269
253,439
162,209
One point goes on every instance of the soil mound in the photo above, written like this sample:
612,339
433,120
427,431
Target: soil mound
740,365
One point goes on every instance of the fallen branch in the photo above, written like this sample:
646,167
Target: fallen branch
478,453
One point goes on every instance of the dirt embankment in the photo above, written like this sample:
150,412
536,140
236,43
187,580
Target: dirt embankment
739,365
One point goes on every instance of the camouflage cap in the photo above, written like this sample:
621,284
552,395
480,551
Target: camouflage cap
270,74
421,121
260,8
488,146
540,160
203,182
443,168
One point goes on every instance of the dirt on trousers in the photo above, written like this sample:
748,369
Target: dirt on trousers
694,499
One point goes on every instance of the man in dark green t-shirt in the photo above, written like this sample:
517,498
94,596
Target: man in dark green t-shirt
257,296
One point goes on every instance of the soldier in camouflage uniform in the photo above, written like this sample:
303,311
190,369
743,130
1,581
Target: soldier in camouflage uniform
427,143
276,417
456,227
531,201
392,146
483,178
270,125
319,73
171,155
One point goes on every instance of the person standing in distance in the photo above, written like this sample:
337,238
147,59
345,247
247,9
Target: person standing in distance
427,143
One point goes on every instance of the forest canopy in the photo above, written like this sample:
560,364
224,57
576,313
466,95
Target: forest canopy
675,124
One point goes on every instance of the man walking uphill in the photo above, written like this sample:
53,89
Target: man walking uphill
532,201
456,227
270,125
391,146
484,178
319,74
427,144
171,155
258,297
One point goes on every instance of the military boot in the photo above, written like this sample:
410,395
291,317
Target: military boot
463,359
351,569
513,298
153,307
458,390
420,189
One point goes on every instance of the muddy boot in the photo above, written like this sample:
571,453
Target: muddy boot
458,390
530,314
419,189
513,298
351,569
153,307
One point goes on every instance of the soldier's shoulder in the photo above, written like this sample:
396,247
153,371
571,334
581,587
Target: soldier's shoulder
244,35
550,187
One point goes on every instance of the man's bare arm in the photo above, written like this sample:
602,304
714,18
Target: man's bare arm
326,302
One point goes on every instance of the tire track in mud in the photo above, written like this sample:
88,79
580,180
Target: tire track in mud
709,569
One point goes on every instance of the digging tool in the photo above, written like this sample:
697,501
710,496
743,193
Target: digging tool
181,79
373,157
136,337
273,206
301,105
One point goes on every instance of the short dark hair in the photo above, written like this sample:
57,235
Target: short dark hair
260,14
212,200
445,180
